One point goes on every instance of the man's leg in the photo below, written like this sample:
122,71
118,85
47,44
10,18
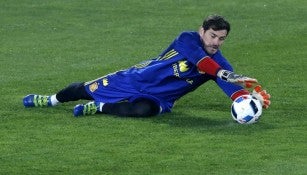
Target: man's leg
139,108
73,92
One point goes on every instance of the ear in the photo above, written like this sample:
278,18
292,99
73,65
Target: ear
201,30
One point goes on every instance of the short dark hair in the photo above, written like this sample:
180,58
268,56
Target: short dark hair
216,22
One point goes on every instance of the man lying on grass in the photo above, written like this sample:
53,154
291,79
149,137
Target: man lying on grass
152,87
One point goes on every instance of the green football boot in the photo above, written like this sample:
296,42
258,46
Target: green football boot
33,100
89,108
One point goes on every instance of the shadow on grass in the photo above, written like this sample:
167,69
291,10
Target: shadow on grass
201,120
209,124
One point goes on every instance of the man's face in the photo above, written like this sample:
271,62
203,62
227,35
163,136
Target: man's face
212,40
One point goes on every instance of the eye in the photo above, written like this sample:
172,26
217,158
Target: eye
222,38
213,35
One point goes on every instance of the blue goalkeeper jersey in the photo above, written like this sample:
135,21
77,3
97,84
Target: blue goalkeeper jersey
166,78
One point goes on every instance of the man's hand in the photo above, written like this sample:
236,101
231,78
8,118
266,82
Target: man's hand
262,96
236,79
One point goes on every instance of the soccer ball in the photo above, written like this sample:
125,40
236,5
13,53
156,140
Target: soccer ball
246,109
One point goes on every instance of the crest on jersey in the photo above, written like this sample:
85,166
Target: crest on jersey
93,87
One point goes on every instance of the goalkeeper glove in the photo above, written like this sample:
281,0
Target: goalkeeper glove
231,77
262,96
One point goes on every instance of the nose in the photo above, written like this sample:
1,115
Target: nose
216,41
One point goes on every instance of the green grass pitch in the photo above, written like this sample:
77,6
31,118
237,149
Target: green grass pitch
45,45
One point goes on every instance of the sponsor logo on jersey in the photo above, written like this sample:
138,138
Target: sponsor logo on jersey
183,67
175,68
179,67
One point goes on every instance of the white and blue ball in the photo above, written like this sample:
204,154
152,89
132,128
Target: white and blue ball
246,109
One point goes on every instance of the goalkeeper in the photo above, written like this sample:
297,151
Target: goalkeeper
152,87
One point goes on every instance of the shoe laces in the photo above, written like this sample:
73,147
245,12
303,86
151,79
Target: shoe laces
90,108
41,100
